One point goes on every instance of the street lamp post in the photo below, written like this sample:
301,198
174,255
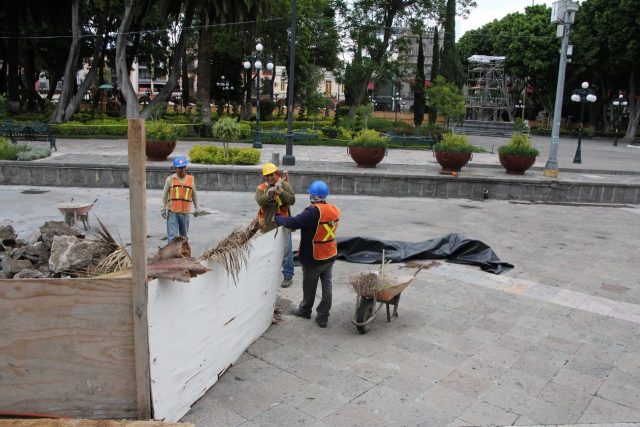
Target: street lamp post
619,104
520,109
256,61
396,105
582,96
225,86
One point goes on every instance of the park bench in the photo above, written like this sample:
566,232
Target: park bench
29,131
405,141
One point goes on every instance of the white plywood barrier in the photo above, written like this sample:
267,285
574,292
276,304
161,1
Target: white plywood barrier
198,329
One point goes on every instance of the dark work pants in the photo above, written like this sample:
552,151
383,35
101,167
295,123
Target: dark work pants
310,276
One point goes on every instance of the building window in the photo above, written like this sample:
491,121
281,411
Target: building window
282,84
327,87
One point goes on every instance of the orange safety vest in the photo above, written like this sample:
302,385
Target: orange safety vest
324,240
282,210
181,195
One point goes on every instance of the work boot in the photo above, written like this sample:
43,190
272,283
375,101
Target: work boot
286,282
296,312
322,322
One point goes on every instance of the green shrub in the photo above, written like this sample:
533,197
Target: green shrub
227,129
519,145
212,155
9,151
160,131
454,143
34,152
329,132
369,138
102,126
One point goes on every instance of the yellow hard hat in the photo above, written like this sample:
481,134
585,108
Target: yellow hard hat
268,169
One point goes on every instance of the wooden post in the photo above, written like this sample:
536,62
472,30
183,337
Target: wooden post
138,218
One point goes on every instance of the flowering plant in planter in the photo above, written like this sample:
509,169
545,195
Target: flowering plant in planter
367,148
453,152
518,155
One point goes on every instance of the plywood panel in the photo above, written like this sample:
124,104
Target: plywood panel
198,329
66,347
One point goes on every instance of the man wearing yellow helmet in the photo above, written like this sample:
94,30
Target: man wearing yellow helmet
275,196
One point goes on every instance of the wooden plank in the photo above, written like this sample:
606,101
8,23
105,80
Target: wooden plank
66,347
198,329
87,423
138,218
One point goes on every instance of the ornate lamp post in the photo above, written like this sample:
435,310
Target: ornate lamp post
520,108
225,86
619,105
582,96
255,61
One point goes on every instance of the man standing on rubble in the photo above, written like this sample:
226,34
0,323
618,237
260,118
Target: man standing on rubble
318,250
177,196
275,196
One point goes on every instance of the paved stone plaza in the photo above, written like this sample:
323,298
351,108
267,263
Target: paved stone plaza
554,341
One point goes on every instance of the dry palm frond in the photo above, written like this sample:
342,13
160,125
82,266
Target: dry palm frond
118,258
116,261
233,251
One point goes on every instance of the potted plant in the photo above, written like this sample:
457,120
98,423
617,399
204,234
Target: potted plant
518,155
160,139
367,148
453,152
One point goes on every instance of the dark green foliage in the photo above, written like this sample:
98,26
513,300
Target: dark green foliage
419,101
519,145
450,64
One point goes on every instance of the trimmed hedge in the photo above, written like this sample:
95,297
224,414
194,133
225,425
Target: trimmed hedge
213,155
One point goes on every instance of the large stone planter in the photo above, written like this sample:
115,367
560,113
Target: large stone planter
515,164
366,157
451,161
159,150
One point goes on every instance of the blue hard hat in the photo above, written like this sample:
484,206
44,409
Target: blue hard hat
180,162
318,188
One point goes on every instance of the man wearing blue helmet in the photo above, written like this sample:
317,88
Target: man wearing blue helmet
177,196
318,249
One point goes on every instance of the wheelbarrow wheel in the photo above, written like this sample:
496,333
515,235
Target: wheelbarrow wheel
364,313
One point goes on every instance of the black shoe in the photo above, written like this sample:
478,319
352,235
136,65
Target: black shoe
296,312
322,322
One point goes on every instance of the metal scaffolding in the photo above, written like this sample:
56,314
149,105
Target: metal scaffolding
486,90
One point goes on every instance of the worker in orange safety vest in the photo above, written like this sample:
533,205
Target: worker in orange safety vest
275,196
318,250
178,194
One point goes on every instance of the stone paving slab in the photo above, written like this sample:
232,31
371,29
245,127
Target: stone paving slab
469,348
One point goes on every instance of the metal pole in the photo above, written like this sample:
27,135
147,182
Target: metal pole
578,156
257,139
551,167
288,158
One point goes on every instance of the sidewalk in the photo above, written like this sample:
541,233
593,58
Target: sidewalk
556,341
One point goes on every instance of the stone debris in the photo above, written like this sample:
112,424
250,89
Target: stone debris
68,253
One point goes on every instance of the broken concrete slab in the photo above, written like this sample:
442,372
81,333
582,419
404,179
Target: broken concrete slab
71,253
11,266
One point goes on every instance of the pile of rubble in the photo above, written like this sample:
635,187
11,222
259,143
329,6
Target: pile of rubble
53,250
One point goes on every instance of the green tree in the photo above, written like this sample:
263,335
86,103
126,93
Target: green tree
450,65
528,41
418,87
447,98
605,53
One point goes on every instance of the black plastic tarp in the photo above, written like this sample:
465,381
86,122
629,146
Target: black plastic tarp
452,247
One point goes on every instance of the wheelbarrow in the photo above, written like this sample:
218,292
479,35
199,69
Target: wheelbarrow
74,211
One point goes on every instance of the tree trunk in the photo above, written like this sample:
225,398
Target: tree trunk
176,60
122,70
185,81
203,91
634,111
13,89
69,82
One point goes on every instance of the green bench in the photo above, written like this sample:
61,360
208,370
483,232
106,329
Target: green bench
405,141
31,131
